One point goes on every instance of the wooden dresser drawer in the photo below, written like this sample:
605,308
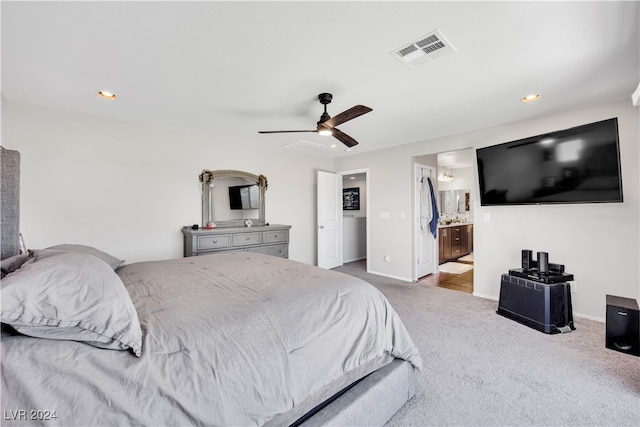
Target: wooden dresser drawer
241,239
275,250
275,236
214,242
456,251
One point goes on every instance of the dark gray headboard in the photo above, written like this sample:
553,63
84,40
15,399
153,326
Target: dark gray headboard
10,202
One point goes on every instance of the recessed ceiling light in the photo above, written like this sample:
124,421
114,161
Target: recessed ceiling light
106,94
531,98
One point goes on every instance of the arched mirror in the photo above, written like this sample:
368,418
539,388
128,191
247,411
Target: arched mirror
232,198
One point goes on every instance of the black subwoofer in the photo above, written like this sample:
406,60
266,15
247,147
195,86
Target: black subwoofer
623,325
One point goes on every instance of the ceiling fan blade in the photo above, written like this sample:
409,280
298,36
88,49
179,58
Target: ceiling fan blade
285,131
344,138
347,115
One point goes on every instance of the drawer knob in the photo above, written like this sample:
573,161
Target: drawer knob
246,238
215,241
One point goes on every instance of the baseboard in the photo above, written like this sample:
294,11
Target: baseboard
353,260
485,296
588,317
404,279
575,314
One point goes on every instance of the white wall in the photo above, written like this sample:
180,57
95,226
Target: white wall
128,189
354,238
598,243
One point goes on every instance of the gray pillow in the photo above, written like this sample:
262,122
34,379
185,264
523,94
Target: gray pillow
11,264
114,262
71,296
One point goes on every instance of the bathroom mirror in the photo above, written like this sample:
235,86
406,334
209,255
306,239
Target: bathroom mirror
461,201
446,201
454,201
230,198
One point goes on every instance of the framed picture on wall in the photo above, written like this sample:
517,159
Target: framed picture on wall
351,199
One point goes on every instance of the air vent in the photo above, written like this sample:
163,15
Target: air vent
426,48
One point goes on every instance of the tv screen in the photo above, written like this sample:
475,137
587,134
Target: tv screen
244,197
577,165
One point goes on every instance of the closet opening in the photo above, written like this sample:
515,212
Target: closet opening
354,216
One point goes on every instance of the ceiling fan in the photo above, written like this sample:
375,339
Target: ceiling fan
326,124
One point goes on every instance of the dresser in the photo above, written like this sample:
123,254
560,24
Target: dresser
267,239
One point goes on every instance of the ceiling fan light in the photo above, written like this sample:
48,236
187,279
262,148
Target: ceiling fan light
530,98
106,94
325,132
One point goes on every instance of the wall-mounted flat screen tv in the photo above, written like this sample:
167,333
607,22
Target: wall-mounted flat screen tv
244,197
577,165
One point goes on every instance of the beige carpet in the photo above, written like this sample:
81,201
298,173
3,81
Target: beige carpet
482,369
455,268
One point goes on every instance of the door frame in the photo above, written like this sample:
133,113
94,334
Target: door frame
367,192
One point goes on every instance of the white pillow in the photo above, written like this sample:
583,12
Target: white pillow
71,296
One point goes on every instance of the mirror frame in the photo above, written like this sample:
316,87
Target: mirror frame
206,177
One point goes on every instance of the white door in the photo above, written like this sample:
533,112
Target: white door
329,220
426,243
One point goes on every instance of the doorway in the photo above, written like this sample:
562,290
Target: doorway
354,214
456,178
343,198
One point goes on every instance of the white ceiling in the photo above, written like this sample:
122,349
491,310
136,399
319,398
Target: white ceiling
233,68
457,159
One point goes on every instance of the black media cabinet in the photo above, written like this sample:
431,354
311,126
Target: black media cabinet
542,306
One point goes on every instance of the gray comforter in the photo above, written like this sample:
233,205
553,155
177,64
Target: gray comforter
228,339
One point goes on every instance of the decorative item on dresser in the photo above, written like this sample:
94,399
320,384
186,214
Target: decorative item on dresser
265,239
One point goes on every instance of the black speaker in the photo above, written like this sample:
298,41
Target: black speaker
623,325
541,306
543,262
527,259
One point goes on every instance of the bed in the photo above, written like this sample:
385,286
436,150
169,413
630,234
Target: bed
223,339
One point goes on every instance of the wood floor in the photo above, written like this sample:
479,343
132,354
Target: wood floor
457,282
